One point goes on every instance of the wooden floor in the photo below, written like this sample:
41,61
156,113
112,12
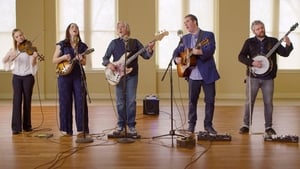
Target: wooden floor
242,152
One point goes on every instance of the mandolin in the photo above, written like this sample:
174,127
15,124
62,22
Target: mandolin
65,67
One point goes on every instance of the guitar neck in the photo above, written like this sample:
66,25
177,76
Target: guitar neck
130,59
88,51
158,37
277,44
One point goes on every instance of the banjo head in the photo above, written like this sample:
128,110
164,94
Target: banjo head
265,65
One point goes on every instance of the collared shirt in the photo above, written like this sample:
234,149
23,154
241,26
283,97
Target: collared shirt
195,73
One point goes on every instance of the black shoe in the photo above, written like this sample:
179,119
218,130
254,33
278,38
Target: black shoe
210,130
191,128
28,130
16,132
270,131
244,130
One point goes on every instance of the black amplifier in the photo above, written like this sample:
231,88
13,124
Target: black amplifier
151,105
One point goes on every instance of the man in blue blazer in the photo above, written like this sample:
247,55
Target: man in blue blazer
194,58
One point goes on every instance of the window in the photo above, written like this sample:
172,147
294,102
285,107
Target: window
8,23
96,30
278,17
170,18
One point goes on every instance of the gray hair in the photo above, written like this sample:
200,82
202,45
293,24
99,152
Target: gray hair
256,22
126,26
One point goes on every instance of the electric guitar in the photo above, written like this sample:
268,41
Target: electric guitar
267,64
113,77
188,60
65,67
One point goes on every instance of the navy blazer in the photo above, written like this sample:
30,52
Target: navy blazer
205,62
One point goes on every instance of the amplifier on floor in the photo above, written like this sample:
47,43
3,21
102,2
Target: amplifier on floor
151,105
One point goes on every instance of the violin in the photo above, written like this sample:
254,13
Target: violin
26,46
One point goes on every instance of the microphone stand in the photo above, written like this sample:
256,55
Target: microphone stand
85,93
172,131
125,139
250,104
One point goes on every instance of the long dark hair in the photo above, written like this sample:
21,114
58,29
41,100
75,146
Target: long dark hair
67,34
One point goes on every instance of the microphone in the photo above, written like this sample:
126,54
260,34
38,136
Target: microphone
75,39
125,38
180,34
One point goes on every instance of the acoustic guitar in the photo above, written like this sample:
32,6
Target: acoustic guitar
188,60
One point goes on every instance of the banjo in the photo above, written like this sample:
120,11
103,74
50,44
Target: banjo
267,64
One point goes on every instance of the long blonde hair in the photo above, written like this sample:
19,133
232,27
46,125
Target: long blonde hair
13,34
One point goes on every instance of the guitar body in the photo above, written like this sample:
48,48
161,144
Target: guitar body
114,77
188,61
267,66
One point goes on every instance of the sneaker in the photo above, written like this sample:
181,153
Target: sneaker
210,130
132,131
270,131
118,131
244,130
64,133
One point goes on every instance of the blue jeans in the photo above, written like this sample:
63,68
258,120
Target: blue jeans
131,88
267,88
209,99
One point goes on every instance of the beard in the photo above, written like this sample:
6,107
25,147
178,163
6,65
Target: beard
261,34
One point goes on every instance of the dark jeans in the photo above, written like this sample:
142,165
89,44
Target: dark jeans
22,88
71,89
209,99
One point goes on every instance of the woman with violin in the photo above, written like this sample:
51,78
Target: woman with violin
71,85
24,66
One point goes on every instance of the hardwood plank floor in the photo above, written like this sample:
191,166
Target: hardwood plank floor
242,152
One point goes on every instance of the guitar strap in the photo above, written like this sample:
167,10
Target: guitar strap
200,36
131,45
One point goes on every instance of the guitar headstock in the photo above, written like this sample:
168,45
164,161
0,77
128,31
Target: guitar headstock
41,57
294,26
161,35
